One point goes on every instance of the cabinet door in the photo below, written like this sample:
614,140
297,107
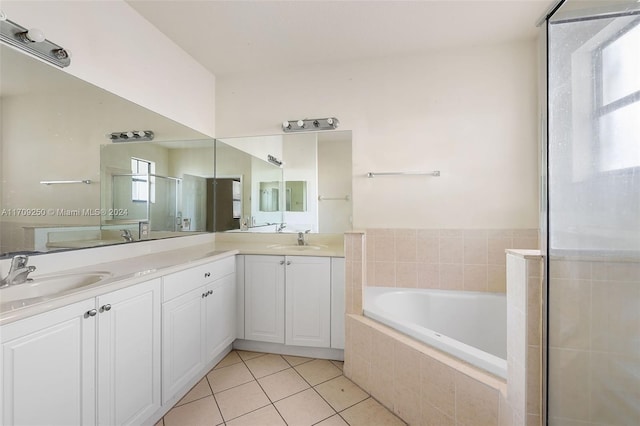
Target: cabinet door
183,339
129,354
220,315
337,302
264,298
48,368
308,301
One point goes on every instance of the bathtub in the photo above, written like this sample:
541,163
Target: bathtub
471,326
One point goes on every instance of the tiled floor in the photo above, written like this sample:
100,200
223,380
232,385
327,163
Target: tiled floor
257,389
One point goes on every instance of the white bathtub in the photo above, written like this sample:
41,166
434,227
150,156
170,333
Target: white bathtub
469,325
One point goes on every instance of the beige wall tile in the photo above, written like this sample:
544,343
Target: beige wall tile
526,233
361,372
568,384
569,313
475,278
406,383
451,250
431,416
370,244
617,271
475,251
577,270
428,250
382,356
534,380
534,420
406,248
496,250
451,277
500,233
406,275
385,249
615,317
534,312
476,403
525,243
475,233
385,273
615,389
448,233
437,385
497,278
505,412
428,275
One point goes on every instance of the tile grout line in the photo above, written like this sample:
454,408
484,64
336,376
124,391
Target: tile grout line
263,391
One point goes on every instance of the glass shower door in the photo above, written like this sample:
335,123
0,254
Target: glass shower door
593,293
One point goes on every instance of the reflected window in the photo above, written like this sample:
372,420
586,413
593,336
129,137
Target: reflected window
143,181
617,112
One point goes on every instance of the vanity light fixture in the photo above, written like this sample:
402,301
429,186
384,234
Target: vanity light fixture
131,136
32,41
273,160
309,124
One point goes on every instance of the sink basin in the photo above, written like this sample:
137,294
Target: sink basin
50,285
296,247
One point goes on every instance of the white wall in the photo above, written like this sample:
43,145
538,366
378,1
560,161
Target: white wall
115,48
470,113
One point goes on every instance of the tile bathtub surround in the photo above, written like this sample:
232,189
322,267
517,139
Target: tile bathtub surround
450,259
251,388
524,336
421,385
355,271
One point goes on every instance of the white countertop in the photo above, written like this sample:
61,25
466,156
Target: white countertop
136,263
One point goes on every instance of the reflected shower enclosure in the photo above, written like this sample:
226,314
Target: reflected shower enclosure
147,198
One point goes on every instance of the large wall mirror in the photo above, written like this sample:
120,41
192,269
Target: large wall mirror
53,127
290,183
65,185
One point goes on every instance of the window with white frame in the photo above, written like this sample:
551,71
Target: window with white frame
143,180
617,99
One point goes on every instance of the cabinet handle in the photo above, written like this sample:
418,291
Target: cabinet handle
288,262
105,308
91,313
282,262
207,274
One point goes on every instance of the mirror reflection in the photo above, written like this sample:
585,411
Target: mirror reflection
53,125
311,190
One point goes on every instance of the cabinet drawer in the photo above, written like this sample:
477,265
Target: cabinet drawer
173,285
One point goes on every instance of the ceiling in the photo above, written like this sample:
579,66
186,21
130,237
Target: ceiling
230,37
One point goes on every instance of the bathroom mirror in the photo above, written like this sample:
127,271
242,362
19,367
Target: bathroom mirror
310,190
53,125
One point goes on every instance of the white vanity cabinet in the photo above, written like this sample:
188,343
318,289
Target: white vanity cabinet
198,321
95,361
288,300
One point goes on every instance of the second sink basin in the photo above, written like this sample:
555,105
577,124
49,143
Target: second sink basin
296,247
50,285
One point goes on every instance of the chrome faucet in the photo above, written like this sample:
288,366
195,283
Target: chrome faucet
280,228
18,271
126,234
301,241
